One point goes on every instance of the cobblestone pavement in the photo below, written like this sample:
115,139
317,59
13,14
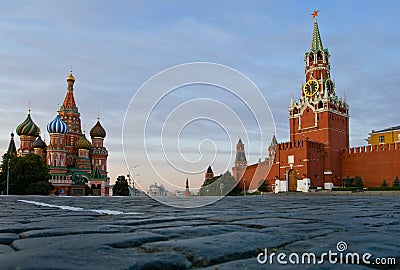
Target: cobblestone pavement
140,233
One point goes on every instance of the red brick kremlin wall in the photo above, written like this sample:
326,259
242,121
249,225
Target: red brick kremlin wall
372,163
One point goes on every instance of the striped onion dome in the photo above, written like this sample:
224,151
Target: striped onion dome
83,143
39,143
28,127
98,131
57,126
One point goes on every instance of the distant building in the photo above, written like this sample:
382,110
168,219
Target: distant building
209,174
388,135
157,190
187,191
179,193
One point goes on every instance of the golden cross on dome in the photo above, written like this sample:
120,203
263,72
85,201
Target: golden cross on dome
315,13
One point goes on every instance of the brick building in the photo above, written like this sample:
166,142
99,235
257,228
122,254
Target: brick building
73,160
318,153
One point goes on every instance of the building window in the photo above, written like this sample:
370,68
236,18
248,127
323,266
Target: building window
381,139
398,137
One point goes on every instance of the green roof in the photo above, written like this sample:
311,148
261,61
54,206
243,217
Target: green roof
316,42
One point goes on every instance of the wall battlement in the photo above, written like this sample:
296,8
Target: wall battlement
300,144
372,148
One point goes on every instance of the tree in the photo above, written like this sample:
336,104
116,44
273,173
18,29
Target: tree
28,175
224,184
396,182
384,184
40,188
358,182
263,186
349,182
121,187
88,191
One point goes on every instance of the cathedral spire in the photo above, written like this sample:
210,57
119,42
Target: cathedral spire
69,101
316,42
187,191
12,150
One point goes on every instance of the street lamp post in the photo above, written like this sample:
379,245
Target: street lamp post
129,181
133,179
8,174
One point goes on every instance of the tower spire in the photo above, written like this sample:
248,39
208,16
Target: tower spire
316,42
187,191
12,150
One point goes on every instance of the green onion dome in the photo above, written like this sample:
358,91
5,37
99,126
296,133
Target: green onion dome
83,143
98,131
28,127
39,143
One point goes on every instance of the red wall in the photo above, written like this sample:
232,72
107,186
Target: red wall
372,163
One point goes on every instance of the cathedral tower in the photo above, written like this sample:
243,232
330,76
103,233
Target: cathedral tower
27,132
56,150
70,115
99,152
39,147
320,115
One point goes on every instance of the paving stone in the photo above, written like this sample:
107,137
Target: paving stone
8,238
99,258
74,231
225,235
6,249
198,231
203,251
249,264
120,240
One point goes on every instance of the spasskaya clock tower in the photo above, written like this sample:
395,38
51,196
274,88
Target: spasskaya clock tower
320,115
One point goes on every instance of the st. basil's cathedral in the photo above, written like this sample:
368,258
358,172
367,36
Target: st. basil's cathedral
74,161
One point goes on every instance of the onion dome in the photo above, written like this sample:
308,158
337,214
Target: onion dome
28,127
70,77
83,143
39,143
57,126
98,131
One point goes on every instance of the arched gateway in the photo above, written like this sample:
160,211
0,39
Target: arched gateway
292,180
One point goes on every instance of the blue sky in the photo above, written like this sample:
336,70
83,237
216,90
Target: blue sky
114,48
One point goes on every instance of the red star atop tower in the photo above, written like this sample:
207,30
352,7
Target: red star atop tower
315,13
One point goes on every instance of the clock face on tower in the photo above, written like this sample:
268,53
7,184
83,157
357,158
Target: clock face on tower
329,86
311,87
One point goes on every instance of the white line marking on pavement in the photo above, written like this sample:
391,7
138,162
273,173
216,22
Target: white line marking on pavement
71,208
